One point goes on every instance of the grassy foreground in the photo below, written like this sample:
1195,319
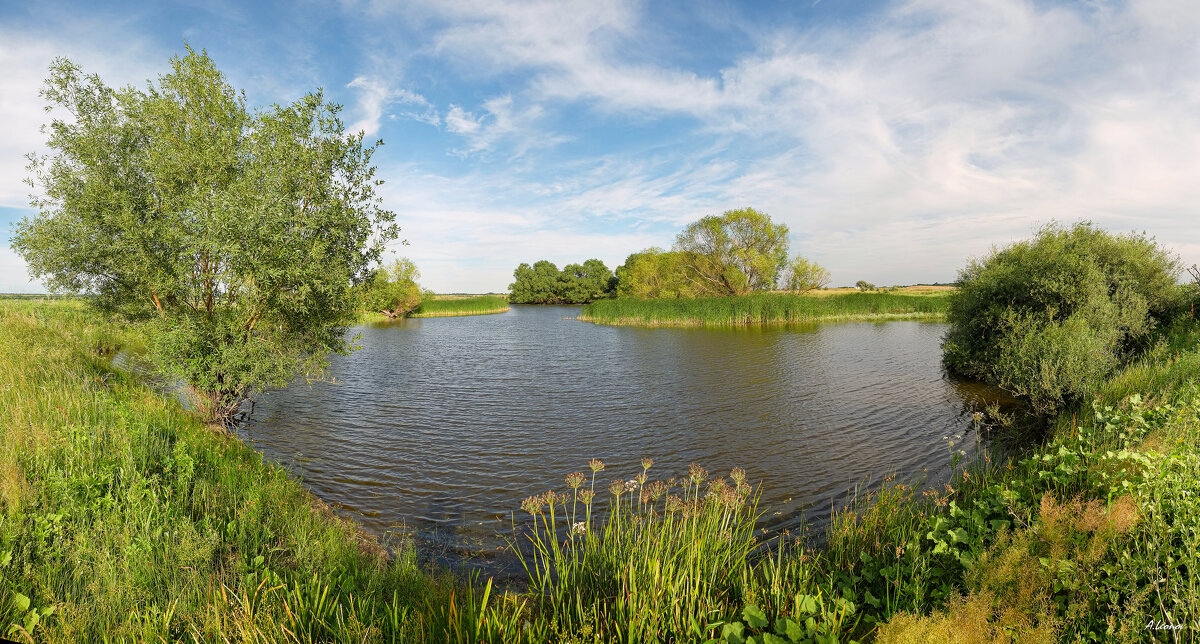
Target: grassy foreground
454,306
768,308
123,519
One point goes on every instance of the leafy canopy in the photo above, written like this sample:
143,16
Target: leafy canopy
235,235
733,253
653,273
543,283
393,289
1048,318
803,275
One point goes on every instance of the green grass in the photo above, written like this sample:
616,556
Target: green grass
771,308
446,307
124,519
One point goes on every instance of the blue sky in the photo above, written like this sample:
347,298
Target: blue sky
896,139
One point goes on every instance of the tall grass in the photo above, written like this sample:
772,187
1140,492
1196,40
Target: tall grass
447,307
122,518
770,308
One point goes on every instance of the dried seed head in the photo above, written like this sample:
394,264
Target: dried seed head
586,496
532,505
646,463
641,479
596,464
575,479
617,488
697,474
738,475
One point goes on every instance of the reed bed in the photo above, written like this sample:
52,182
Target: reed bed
455,306
765,309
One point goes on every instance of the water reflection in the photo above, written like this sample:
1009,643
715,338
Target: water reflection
445,424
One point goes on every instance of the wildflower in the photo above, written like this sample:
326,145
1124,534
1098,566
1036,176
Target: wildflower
641,479
578,528
575,479
596,464
674,503
646,463
532,505
617,488
697,473
586,496
978,416
738,475
631,485
656,490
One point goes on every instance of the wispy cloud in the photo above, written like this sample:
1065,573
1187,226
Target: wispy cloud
375,97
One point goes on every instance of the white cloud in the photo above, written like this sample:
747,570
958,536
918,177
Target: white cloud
375,97
14,274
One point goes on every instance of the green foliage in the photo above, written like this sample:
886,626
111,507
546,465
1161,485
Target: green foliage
733,253
653,273
236,236
393,289
123,518
773,308
535,284
587,282
864,285
803,275
543,283
433,307
1049,318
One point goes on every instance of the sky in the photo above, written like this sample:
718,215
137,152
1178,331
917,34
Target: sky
896,140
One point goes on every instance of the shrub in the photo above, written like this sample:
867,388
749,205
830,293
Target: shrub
1048,318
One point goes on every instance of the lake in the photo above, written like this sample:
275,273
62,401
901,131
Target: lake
439,427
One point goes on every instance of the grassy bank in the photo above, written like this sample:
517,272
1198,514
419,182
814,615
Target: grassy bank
771,308
454,306
123,518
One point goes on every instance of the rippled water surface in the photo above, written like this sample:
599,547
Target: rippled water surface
444,425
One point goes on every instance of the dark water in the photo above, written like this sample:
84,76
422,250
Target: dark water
444,425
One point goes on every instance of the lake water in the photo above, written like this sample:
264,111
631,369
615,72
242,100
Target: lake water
440,427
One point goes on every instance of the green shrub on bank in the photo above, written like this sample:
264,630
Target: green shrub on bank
1049,318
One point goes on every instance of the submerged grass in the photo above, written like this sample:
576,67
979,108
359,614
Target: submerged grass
123,519
454,306
767,308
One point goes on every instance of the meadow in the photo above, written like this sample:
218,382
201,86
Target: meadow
124,518
765,308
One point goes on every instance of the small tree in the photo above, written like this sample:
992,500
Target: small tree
803,275
864,285
653,273
393,290
235,236
733,253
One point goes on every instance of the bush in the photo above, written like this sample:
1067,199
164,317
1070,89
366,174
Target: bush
1048,318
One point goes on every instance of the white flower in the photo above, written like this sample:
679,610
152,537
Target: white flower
578,528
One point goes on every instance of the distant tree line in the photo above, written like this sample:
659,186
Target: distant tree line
543,283
734,253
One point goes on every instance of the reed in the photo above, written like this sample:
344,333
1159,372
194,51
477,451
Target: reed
455,306
765,309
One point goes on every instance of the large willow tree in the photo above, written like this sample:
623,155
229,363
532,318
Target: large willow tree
234,235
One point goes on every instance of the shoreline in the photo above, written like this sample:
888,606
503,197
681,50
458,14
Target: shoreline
698,323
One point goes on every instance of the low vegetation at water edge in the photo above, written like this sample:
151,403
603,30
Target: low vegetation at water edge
768,308
473,305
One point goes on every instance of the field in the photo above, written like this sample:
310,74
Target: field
761,309
123,518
